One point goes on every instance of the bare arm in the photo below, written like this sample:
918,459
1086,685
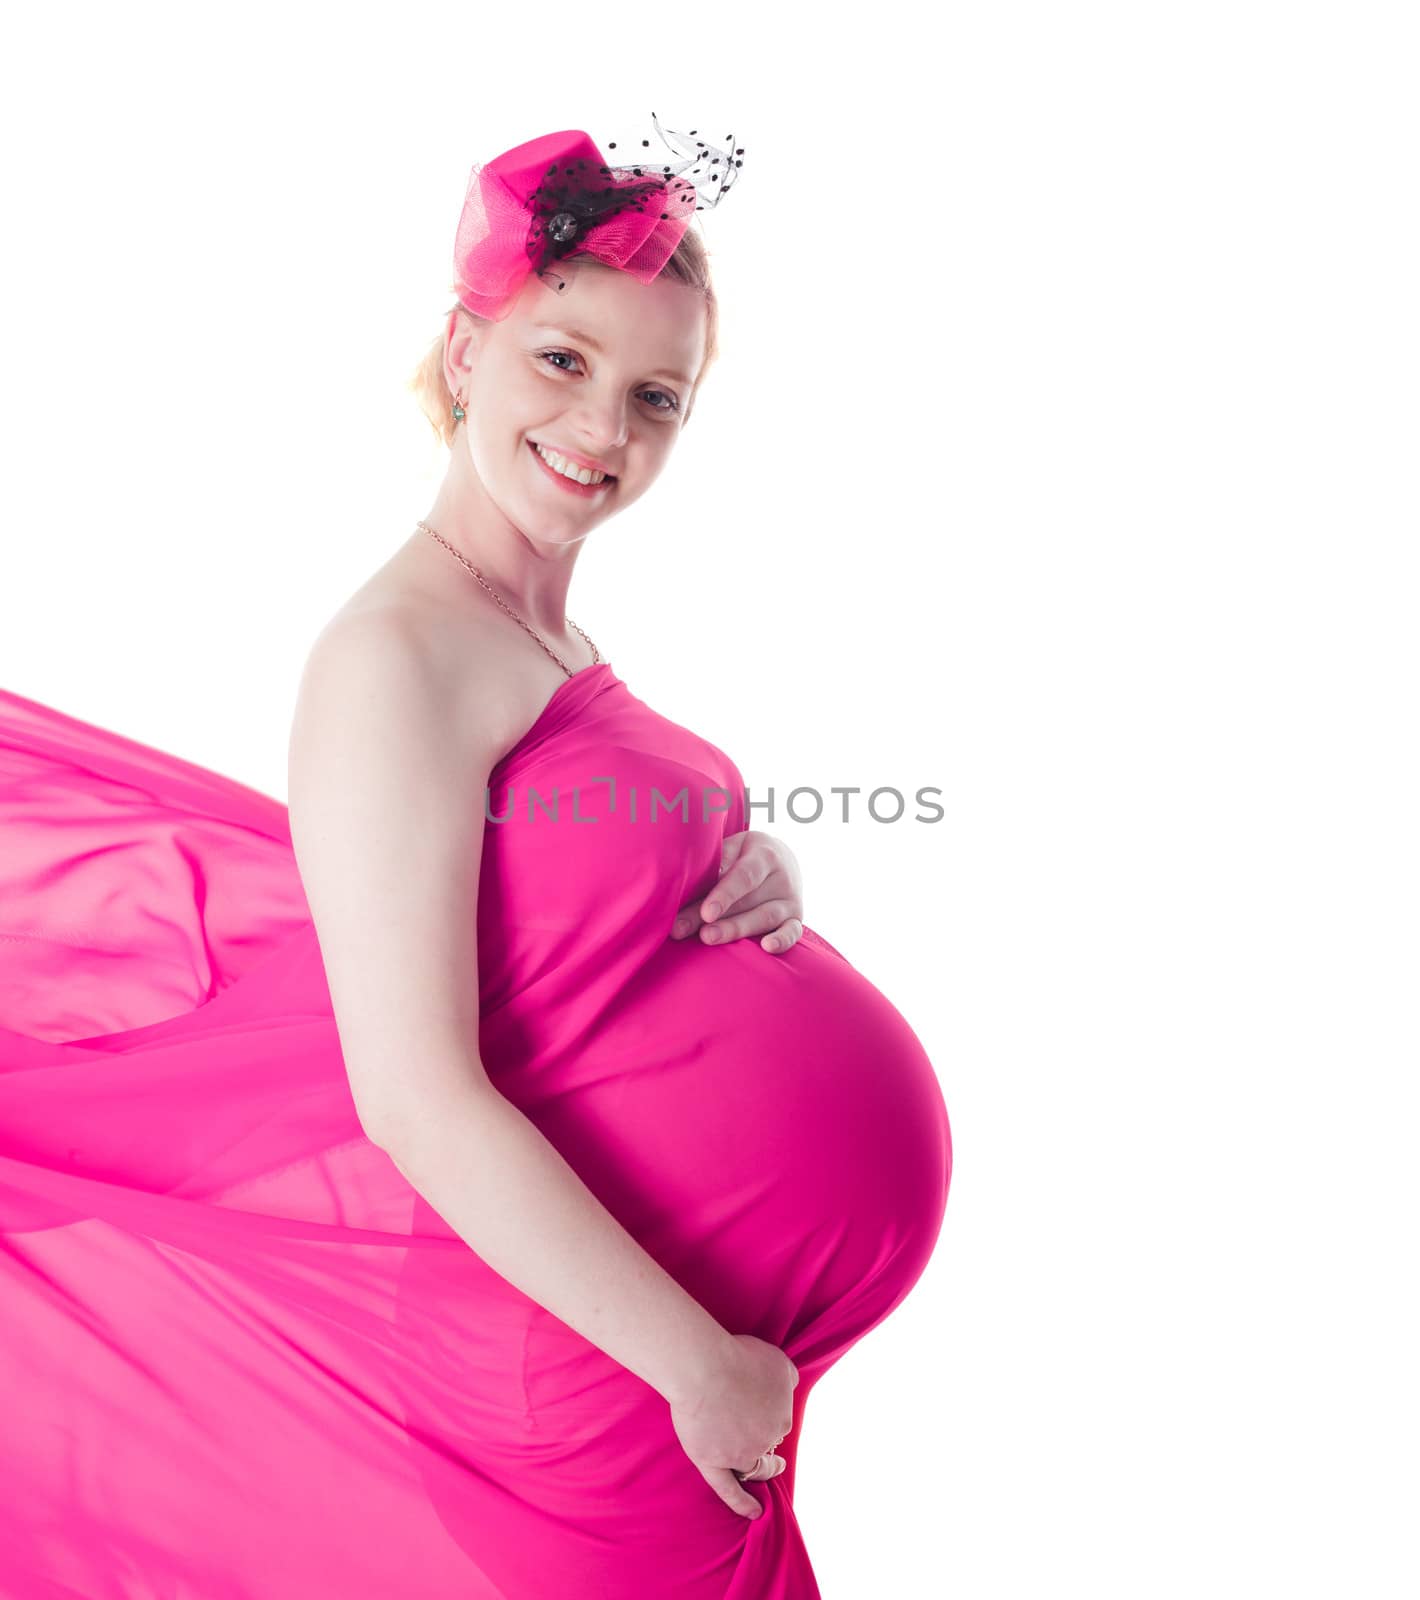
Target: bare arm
386,806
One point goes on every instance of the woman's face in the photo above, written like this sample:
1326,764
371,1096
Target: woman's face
600,373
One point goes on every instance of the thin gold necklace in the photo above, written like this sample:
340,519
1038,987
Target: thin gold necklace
596,654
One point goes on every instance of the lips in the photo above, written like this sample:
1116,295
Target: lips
588,491
573,457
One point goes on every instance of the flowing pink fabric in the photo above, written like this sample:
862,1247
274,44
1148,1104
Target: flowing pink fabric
241,1358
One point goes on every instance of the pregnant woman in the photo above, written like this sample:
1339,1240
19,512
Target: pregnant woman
453,1185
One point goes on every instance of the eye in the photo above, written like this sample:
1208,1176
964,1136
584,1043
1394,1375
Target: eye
672,405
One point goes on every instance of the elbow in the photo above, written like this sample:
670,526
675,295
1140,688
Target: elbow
409,1122
376,1128
382,1117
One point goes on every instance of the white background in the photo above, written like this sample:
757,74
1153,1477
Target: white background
1061,455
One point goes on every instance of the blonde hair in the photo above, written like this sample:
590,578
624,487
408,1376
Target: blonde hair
689,264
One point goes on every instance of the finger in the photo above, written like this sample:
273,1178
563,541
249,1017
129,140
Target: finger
691,917
746,872
731,848
727,1486
784,936
687,920
755,919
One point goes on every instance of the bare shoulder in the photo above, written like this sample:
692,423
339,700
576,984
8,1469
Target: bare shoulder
409,697
390,750
415,661
421,624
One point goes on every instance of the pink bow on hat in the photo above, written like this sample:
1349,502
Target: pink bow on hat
556,196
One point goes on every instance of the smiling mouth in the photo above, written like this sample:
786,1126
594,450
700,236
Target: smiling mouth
607,481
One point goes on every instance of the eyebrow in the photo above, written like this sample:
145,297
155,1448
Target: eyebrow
583,337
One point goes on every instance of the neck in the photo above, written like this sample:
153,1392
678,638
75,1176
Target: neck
531,577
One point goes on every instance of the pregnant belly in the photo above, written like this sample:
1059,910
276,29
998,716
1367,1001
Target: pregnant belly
769,1127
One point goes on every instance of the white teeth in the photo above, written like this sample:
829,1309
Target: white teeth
567,468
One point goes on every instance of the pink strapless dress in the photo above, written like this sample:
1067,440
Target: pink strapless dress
241,1358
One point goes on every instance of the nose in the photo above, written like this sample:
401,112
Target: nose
600,428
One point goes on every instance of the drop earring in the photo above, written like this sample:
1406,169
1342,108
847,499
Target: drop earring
459,412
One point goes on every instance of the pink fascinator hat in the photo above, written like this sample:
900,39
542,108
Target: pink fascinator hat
557,196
